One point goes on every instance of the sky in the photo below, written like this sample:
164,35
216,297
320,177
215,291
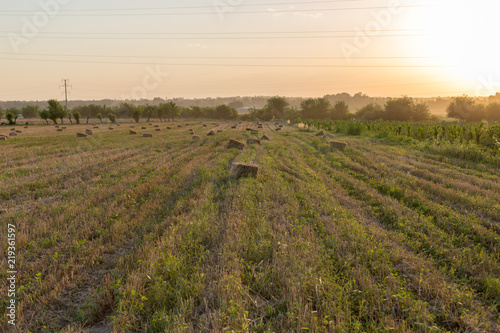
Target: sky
196,49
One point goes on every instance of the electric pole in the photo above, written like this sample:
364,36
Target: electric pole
65,85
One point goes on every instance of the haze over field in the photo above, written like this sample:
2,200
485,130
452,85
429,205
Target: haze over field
195,49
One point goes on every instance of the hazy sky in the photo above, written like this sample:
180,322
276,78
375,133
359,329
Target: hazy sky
193,48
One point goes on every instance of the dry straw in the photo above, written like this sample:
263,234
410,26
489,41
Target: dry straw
235,144
240,170
337,145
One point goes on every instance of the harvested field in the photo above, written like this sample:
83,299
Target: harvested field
116,233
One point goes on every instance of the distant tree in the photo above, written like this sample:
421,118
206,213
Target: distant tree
30,111
137,113
77,116
11,117
399,109
70,116
493,111
1,113
56,110
225,112
149,111
112,117
99,116
45,115
292,113
465,108
340,111
421,112
370,112
277,105
236,104
315,108
172,111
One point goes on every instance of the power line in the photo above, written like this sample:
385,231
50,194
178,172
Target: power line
230,65
209,57
187,7
239,12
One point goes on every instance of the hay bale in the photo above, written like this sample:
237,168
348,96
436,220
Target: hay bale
196,137
150,124
220,131
132,126
64,127
158,129
81,135
111,128
265,137
277,129
328,136
337,145
118,125
179,126
260,126
248,129
233,126
96,127
3,138
57,126
157,125
320,133
239,170
211,133
13,134
204,125
18,131
132,132
281,126
143,127
169,127
89,132
146,135
26,127
235,144
252,141
254,132
59,129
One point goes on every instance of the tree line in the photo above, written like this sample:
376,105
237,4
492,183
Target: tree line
463,108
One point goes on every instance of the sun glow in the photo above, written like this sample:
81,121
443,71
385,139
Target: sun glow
464,35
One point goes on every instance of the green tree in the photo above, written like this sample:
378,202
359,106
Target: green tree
77,116
370,111
315,108
225,112
99,116
112,117
493,111
149,111
70,116
421,112
277,105
137,113
11,117
1,113
340,111
56,110
399,109
172,111
45,115
30,111
465,108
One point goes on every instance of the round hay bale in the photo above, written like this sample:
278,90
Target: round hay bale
81,135
240,170
337,145
211,133
146,135
235,144
132,132
89,132
320,133
265,137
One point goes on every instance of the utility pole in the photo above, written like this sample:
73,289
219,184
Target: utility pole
65,85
